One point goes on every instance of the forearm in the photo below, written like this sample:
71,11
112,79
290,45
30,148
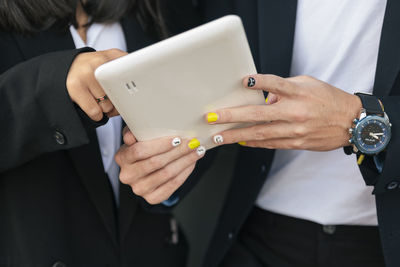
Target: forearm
36,108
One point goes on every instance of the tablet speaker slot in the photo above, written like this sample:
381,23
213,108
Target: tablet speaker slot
131,87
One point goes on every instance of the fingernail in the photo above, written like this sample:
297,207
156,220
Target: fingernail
201,150
251,82
194,143
212,117
266,100
218,139
176,142
242,143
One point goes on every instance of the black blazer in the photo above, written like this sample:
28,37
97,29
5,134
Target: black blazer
56,202
270,29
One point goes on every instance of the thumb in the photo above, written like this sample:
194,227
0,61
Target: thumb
129,138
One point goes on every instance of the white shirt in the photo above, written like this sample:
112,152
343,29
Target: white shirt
103,37
336,41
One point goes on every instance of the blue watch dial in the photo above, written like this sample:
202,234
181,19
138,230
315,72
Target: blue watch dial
371,135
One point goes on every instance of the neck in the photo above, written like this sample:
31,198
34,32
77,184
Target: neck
82,19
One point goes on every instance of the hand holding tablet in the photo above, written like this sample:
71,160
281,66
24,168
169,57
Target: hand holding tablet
155,169
164,89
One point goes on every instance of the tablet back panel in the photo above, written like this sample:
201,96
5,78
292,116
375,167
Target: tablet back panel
167,88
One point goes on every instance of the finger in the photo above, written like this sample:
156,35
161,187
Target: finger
114,53
114,112
262,132
163,183
99,94
268,82
106,106
165,191
128,137
271,99
259,113
94,85
84,99
147,149
145,167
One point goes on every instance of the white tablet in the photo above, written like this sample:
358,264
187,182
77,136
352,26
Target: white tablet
167,88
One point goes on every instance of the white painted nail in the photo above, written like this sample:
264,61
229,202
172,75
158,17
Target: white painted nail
176,142
218,139
201,150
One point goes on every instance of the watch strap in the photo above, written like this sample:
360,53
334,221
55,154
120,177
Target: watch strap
371,104
348,150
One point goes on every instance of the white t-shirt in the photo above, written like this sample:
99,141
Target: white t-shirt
336,41
103,37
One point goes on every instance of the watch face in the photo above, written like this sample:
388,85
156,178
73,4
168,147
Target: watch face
372,134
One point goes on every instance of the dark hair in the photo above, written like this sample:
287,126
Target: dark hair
31,16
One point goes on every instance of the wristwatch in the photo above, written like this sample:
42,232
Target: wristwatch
372,131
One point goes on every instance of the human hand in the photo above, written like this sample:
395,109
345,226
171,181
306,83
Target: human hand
83,87
302,113
156,169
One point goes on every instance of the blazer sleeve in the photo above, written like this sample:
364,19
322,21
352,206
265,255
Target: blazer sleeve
388,179
37,115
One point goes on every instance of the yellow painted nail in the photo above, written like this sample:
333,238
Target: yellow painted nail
360,159
194,143
242,143
212,117
266,100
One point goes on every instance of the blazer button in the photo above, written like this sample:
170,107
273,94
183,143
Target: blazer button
329,229
59,264
392,185
263,168
59,137
230,236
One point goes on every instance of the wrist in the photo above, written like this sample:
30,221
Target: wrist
354,108
371,132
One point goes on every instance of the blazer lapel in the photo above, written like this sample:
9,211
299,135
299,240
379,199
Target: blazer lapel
128,205
389,51
136,39
88,164
276,34
86,159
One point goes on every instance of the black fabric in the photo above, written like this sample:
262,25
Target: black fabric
272,240
56,202
270,27
25,101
